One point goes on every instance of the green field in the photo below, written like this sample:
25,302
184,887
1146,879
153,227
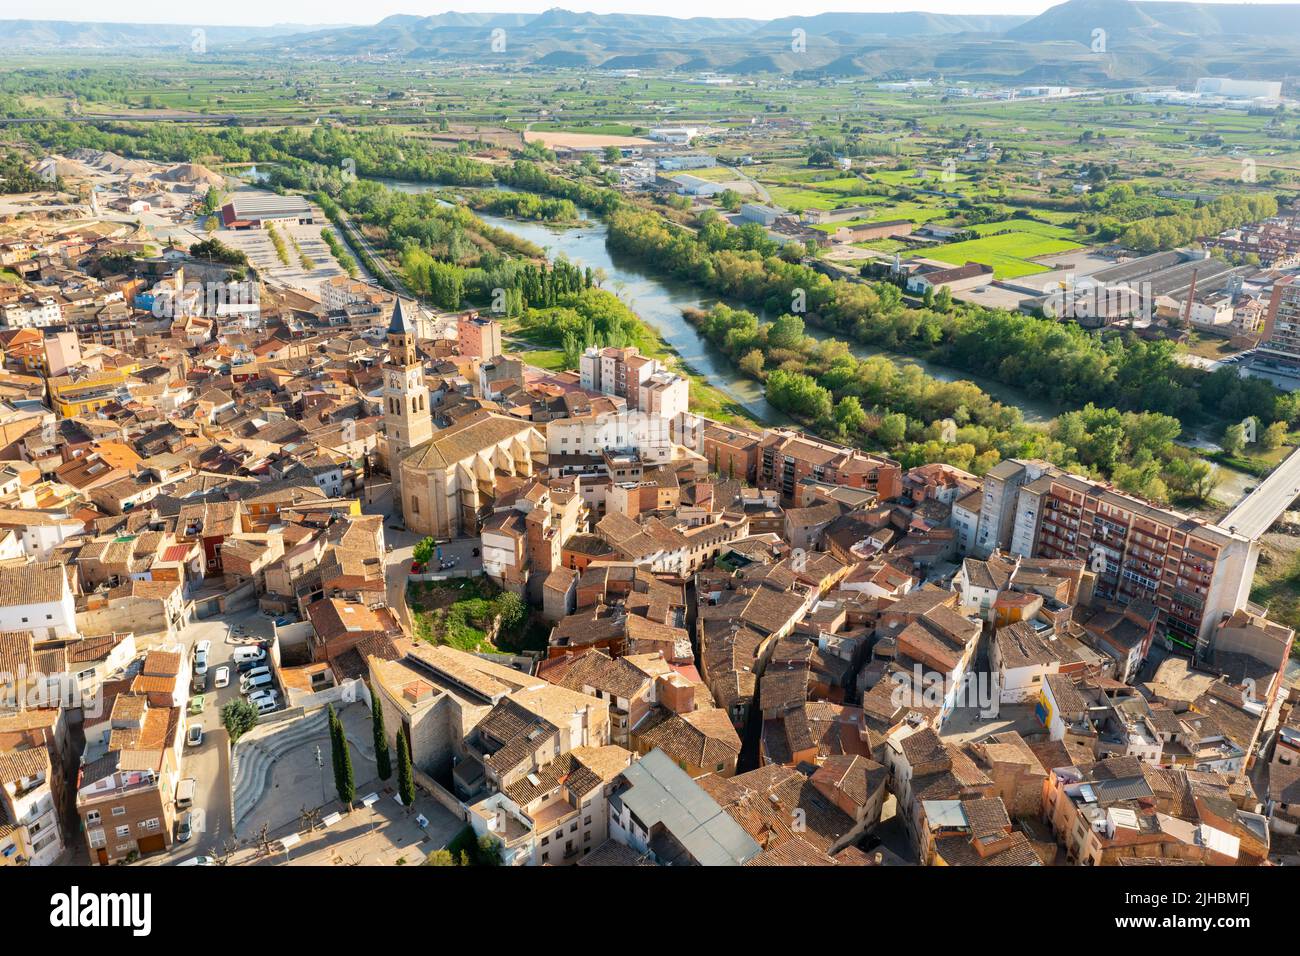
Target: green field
1027,226
1008,253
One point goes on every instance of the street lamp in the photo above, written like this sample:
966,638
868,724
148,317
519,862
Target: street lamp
320,765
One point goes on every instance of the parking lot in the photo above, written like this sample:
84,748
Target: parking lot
209,763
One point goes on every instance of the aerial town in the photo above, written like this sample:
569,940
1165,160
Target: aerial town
698,490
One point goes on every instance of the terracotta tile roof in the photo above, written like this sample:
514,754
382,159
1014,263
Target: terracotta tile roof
18,764
32,584
700,738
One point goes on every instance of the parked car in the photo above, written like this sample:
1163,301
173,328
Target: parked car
248,684
270,694
223,676
197,861
184,828
201,650
285,621
245,666
194,738
264,705
252,652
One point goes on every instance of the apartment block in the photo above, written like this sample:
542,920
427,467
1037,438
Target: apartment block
999,496
638,378
787,457
478,337
1280,342
126,791
1194,573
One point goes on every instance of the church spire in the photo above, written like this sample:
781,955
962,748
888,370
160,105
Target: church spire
401,338
401,323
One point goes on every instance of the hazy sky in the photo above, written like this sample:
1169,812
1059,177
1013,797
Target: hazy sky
260,12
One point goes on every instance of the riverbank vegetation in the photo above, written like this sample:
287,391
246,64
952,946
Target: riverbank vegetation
529,206
917,418
1059,362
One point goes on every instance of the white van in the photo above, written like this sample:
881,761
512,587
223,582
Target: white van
264,705
253,673
185,794
247,653
256,683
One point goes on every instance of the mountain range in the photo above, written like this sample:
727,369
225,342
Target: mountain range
1078,42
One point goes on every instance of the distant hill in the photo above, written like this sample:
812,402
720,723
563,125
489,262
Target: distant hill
1145,42
1161,24
41,35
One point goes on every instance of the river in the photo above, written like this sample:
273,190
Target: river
660,301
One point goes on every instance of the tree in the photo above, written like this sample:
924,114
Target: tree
511,608
613,154
1274,436
238,717
489,851
344,783
441,857
1234,439
849,414
751,363
786,332
424,550
383,758
405,776
892,430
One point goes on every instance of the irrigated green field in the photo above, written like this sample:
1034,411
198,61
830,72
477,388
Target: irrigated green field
1008,253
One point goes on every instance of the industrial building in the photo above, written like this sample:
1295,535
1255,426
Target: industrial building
259,210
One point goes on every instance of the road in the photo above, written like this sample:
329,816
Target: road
1256,513
359,241
209,763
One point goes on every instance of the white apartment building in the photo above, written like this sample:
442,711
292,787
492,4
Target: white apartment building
33,313
648,435
37,598
28,803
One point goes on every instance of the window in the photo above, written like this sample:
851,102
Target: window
150,825
123,832
92,818
415,505
586,822
119,811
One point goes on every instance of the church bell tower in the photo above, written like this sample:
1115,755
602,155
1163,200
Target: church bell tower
407,421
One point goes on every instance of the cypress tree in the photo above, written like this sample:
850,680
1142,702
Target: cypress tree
405,777
383,763
334,739
342,760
